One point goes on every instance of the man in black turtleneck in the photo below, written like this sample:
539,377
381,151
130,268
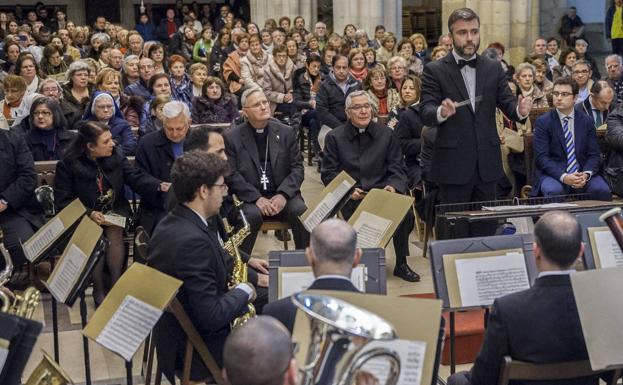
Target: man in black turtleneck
267,169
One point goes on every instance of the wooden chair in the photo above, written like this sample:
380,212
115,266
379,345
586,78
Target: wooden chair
517,370
276,225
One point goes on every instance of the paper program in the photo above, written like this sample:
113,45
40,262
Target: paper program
67,273
411,355
610,254
38,242
482,280
370,229
324,207
129,326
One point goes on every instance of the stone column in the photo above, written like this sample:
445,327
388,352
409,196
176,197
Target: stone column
127,13
520,44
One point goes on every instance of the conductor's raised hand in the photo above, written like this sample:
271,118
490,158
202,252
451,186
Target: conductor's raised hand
525,105
447,108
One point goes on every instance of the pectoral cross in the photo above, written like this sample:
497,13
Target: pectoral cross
264,180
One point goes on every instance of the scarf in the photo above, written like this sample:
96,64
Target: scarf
359,74
382,95
6,108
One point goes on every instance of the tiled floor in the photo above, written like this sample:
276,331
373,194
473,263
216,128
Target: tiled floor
107,368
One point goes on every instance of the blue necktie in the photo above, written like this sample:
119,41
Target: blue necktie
598,120
572,164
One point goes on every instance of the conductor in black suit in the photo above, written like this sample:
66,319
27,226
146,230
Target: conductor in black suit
267,169
541,324
332,254
184,247
460,94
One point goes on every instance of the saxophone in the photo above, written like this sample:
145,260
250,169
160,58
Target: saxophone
240,272
25,303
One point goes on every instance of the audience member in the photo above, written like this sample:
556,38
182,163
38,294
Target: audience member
47,133
215,105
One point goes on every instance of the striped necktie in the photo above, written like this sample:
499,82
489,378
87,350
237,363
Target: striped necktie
572,163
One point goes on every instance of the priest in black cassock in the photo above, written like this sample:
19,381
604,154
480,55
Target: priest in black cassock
267,169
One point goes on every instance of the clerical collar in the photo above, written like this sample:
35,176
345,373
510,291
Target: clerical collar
260,131
457,57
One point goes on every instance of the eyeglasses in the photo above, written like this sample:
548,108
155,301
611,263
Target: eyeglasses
359,107
50,90
563,94
222,186
42,113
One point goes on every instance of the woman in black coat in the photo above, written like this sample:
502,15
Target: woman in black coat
409,126
46,130
216,105
95,172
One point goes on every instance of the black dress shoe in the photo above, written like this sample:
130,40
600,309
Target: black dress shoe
404,271
279,235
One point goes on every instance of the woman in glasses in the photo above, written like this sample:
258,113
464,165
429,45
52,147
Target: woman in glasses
47,134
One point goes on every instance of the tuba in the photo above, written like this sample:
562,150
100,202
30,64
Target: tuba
340,335
25,303
240,272
614,220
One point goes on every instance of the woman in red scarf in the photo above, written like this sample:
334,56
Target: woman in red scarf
357,60
384,98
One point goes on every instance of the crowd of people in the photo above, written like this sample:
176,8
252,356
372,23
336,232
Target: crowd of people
441,123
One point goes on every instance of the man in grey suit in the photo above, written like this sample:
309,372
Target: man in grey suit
267,169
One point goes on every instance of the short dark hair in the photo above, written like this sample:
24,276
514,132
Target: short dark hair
465,14
58,119
567,81
559,236
198,137
337,57
89,131
599,86
312,58
194,169
154,79
380,26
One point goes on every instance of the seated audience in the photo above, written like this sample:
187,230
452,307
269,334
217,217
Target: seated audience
52,89
388,48
104,109
109,80
47,133
253,63
614,69
76,92
154,120
567,158
16,104
198,76
582,73
305,85
358,67
140,87
406,50
277,82
231,65
333,92
129,72
597,105
215,105
408,97
267,169
409,131
567,58
384,98
581,46
27,67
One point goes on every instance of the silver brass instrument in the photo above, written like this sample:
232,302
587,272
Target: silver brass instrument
48,372
25,303
240,272
340,335
45,196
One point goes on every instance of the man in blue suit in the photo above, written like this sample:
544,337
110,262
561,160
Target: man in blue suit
566,149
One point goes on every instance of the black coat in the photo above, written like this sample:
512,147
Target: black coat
301,86
155,157
285,311
373,158
409,135
539,325
285,160
78,179
467,142
330,101
218,55
613,168
225,110
18,179
586,108
39,149
183,247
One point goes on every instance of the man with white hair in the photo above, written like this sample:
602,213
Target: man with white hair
115,59
614,68
370,153
155,155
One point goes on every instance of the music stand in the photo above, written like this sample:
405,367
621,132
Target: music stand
372,259
438,249
586,221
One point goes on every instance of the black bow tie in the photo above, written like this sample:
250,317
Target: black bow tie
463,63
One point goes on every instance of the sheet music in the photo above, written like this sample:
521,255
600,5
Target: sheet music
481,280
297,281
4,352
370,229
610,254
67,273
115,220
328,203
38,242
411,355
129,326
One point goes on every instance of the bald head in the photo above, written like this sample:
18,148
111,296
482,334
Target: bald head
559,238
334,241
258,353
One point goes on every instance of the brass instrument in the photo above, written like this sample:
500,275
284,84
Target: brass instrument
240,272
340,335
614,220
48,372
45,196
25,303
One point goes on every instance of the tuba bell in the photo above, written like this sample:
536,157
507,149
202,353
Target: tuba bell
48,372
340,335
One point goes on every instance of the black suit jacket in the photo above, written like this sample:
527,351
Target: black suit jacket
285,311
539,325
468,141
183,247
588,110
285,160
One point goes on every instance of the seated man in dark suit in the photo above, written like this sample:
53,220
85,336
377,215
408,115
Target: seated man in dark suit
332,254
541,324
267,169
370,153
597,105
567,158
184,247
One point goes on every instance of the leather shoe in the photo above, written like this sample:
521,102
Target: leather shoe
404,271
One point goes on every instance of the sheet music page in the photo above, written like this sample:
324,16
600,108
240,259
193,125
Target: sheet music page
610,254
38,242
481,280
411,355
324,207
67,273
129,326
370,229
297,281
4,352
115,220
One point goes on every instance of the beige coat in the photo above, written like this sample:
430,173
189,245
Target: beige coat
252,69
276,82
